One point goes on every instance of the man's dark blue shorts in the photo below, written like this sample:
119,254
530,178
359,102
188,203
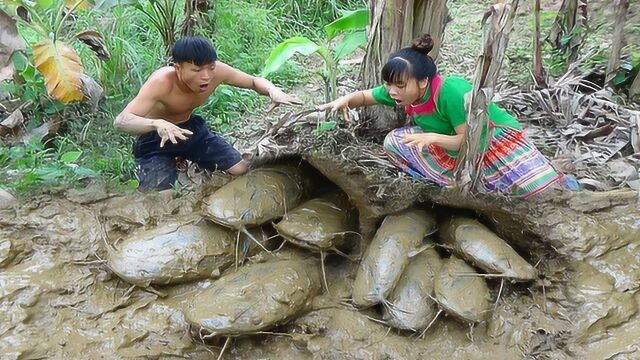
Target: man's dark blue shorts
157,166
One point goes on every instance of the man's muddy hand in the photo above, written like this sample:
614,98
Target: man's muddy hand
278,97
170,132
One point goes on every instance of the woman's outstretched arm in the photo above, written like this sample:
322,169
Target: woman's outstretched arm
350,101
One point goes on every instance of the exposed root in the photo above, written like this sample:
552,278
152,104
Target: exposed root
155,292
430,324
88,262
224,347
377,320
495,306
490,276
420,250
237,261
393,308
324,273
470,333
248,234
346,256
348,303
281,246
103,235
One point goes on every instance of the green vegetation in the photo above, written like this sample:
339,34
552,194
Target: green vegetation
137,48
352,24
245,33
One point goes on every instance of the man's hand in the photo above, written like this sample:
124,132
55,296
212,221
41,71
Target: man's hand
423,140
171,132
278,97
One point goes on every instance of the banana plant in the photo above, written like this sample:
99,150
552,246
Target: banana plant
352,24
54,58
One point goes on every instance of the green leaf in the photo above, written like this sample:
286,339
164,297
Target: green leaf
70,156
325,126
620,78
83,172
285,50
20,62
108,4
349,43
352,20
45,4
132,184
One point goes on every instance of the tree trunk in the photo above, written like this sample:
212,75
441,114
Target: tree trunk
569,27
10,42
496,39
539,74
193,15
393,25
618,38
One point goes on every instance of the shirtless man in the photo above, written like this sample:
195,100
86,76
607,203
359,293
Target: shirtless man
162,115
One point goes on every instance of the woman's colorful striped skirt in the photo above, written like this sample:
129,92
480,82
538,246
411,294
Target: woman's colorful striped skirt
510,165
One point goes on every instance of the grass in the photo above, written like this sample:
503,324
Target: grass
104,154
243,41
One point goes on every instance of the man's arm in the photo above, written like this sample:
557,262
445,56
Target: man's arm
131,120
237,78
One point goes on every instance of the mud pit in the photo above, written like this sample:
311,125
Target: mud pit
58,299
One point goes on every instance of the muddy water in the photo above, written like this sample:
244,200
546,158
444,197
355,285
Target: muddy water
58,300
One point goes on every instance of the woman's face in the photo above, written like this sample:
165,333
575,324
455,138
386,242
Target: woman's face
407,91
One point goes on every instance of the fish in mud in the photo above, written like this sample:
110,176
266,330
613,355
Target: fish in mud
474,242
461,292
254,298
172,253
261,196
320,224
412,305
388,254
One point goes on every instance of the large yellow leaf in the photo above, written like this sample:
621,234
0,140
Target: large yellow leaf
61,68
71,3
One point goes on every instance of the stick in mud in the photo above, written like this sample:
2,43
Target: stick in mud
224,347
431,323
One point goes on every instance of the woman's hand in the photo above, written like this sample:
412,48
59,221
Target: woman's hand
422,140
278,97
170,131
339,104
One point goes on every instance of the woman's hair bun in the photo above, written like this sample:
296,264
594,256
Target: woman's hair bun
423,44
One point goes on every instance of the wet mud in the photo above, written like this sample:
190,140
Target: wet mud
60,298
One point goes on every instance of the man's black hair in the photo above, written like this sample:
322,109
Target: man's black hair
197,50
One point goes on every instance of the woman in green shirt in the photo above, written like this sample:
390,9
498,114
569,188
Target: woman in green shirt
510,163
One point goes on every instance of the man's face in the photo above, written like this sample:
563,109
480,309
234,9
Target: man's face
406,91
196,78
